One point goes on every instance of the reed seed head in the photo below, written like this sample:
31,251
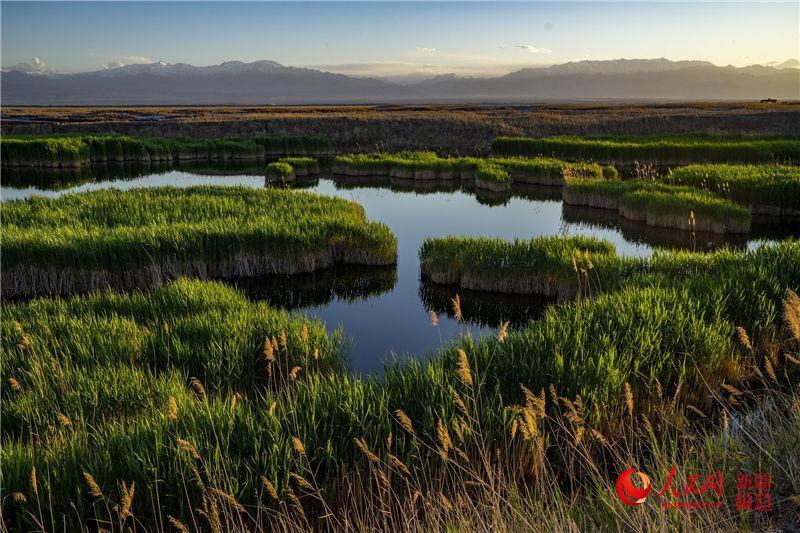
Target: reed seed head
791,312
186,446
463,368
94,488
269,487
744,339
34,483
297,444
434,319
404,421
15,385
362,445
457,308
178,525
629,398
172,409
197,386
502,334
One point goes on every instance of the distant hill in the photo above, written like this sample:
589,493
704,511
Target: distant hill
266,82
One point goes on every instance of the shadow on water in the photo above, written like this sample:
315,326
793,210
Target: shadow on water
61,179
762,228
483,309
300,291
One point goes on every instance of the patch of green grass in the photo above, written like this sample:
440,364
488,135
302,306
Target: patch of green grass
303,166
664,149
551,257
280,170
411,164
83,149
121,231
661,204
760,186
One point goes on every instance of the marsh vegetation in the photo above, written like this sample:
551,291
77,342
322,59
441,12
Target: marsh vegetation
203,405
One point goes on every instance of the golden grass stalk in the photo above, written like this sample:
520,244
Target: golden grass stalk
269,487
445,443
791,312
19,497
186,446
172,409
197,386
404,421
178,525
463,368
744,339
34,483
397,463
770,370
127,500
301,481
502,334
629,398
366,451
229,499
297,444
434,319
294,373
15,385
94,488
457,308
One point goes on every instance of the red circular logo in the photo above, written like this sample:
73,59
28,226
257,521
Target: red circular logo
628,492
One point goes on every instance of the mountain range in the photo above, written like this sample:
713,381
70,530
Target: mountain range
268,82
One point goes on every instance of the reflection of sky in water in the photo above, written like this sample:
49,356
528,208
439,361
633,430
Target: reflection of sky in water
397,321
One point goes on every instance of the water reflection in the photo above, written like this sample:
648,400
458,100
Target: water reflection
483,309
386,311
347,283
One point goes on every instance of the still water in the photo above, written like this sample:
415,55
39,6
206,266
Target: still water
386,312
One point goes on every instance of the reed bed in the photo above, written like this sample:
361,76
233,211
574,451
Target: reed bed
280,171
540,266
661,205
766,189
302,166
554,400
76,151
659,150
492,173
140,237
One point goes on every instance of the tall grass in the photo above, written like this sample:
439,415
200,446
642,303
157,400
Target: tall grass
71,151
280,171
320,439
137,237
490,172
659,204
663,149
302,166
543,265
767,189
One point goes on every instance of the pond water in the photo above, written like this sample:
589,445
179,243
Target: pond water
385,312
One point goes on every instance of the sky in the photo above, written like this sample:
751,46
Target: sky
394,39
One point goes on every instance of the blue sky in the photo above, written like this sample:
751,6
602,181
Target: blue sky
390,39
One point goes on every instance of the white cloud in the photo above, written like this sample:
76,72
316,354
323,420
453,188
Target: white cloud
134,59
424,50
121,61
530,48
